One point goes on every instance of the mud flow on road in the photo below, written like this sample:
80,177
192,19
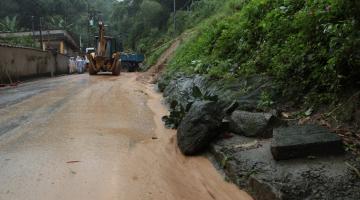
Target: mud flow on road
99,137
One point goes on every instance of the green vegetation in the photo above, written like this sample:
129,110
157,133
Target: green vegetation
9,24
155,55
142,25
265,101
70,15
310,48
26,41
145,25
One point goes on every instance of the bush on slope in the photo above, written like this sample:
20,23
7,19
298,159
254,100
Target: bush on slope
311,48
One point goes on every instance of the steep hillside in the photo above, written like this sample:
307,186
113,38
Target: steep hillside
261,73
309,51
311,48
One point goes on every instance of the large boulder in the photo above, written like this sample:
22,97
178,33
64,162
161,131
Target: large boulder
246,91
252,124
304,140
181,89
249,164
199,127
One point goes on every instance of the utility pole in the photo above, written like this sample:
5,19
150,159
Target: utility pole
88,24
41,36
33,28
80,44
174,17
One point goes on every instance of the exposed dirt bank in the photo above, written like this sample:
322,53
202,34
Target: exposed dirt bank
155,71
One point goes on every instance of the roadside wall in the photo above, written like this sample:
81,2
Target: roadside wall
61,64
18,63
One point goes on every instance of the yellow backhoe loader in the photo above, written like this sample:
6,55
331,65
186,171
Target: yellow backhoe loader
106,58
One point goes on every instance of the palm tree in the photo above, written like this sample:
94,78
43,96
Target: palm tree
56,22
9,24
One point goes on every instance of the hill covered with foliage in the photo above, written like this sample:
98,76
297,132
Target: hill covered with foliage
310,48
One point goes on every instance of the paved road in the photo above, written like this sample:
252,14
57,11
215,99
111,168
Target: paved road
79,137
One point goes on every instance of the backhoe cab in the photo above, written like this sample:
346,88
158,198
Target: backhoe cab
106,57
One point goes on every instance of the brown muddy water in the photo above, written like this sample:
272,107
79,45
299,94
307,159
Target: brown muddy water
98,137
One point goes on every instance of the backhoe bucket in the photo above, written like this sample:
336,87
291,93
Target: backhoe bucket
92,67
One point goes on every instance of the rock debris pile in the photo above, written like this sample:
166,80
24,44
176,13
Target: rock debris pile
257,150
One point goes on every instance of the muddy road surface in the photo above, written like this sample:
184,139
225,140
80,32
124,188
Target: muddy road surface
96,138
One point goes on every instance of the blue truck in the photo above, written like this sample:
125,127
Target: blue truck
130,61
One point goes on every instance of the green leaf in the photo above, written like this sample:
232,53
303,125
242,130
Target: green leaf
308,112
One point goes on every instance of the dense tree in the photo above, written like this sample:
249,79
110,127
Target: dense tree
136,22
141,23
151,12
